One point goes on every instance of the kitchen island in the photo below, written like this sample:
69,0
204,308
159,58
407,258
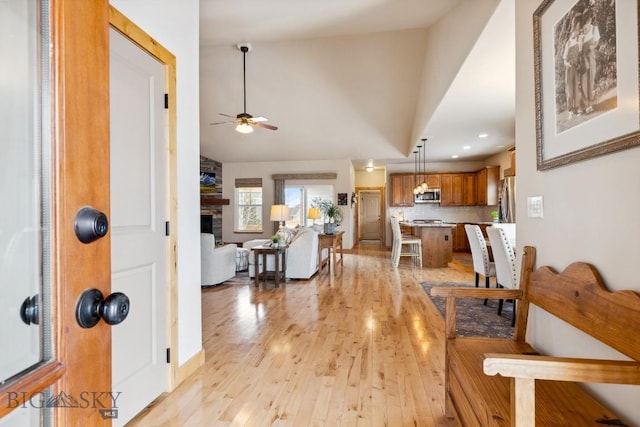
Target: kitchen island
437,242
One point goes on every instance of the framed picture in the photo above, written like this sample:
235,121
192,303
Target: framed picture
207,182
586,79
342,199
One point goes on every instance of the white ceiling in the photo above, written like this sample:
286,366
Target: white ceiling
340,81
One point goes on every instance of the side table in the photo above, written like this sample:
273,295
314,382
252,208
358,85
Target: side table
280,263
331,242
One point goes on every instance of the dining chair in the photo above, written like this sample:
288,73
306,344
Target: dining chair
482,265
505,261
413,245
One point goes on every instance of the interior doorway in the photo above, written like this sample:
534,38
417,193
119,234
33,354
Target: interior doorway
370,215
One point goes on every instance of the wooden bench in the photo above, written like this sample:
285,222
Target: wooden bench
505,382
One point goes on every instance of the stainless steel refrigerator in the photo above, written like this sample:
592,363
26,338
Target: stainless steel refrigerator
507,199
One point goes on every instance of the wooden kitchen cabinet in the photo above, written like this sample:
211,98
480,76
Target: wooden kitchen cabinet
402,189
469,190
458,189
433,180
460,241
487,184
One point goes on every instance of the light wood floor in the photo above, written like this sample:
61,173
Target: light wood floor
362,345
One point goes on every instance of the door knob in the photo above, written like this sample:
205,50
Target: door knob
90,224
29,310
92,306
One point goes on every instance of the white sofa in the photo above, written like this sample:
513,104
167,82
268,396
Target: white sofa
217,263
302,254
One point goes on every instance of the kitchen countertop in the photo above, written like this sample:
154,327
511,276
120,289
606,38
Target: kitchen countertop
427,224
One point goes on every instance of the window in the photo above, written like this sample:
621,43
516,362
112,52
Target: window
248,215
300,198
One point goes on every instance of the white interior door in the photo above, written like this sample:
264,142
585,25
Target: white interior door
138,214
371,229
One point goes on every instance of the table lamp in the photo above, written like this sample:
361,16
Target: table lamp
314,213
280,213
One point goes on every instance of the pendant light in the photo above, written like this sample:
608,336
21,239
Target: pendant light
418,187
415,172
424,158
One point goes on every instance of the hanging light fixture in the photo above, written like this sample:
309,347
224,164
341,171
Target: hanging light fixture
424,158
415,172
418,188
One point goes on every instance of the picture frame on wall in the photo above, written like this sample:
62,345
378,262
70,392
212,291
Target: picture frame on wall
207,182
342,199
587,79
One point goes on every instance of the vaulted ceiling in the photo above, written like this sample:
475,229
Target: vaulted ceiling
346,80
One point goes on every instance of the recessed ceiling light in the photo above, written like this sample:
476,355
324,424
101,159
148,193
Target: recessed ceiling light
455,156
466,147
483,135
369,168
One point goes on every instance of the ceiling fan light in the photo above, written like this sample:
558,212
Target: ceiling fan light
244,128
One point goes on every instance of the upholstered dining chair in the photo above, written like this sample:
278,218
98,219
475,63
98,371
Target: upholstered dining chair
482,265
505,260
413,245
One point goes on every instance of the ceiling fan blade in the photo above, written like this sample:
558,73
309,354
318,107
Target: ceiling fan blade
223,123
266,126
227,115
260,119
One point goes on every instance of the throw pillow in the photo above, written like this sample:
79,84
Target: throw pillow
288,234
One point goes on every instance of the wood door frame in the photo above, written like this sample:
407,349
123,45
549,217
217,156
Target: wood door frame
130,30
383,216
80,122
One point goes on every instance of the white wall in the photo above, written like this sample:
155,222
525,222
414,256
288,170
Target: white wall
449,42
175,25
590,214
375,178
230,171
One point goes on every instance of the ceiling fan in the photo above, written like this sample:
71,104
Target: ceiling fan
244,121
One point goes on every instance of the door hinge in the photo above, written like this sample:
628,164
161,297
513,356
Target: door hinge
168,355
167,229
166,101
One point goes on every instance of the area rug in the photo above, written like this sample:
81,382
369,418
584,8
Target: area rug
473,317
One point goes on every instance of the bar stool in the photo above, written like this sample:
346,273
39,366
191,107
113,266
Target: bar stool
413,245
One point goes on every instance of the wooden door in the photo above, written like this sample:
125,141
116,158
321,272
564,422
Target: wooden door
76,127
139,211
371,220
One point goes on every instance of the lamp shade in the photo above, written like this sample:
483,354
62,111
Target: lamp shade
244,128
314,213
279,213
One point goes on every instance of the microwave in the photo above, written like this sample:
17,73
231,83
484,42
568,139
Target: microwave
432,195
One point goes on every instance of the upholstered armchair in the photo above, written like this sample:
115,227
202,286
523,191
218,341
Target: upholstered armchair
217,263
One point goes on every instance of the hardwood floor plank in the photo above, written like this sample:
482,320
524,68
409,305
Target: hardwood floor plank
360,346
